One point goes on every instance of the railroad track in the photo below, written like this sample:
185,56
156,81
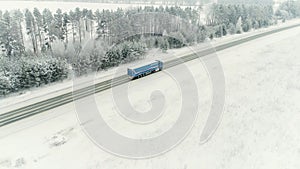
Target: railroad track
42,106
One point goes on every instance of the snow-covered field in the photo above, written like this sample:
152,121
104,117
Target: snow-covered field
259,129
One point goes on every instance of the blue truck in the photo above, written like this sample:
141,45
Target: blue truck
145,69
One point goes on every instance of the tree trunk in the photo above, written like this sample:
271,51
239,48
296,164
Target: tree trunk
91,28
40,37
67,38
84,29
21,33
33,43
34,35
73,32
79,30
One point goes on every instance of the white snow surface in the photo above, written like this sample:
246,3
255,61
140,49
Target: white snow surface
259,129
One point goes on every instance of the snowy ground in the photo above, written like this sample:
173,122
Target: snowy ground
259,129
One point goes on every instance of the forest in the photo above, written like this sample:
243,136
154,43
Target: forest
42,47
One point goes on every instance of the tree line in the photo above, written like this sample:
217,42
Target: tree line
288,10
76,26
84,40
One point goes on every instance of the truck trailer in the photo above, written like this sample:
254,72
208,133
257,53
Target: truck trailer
145,69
